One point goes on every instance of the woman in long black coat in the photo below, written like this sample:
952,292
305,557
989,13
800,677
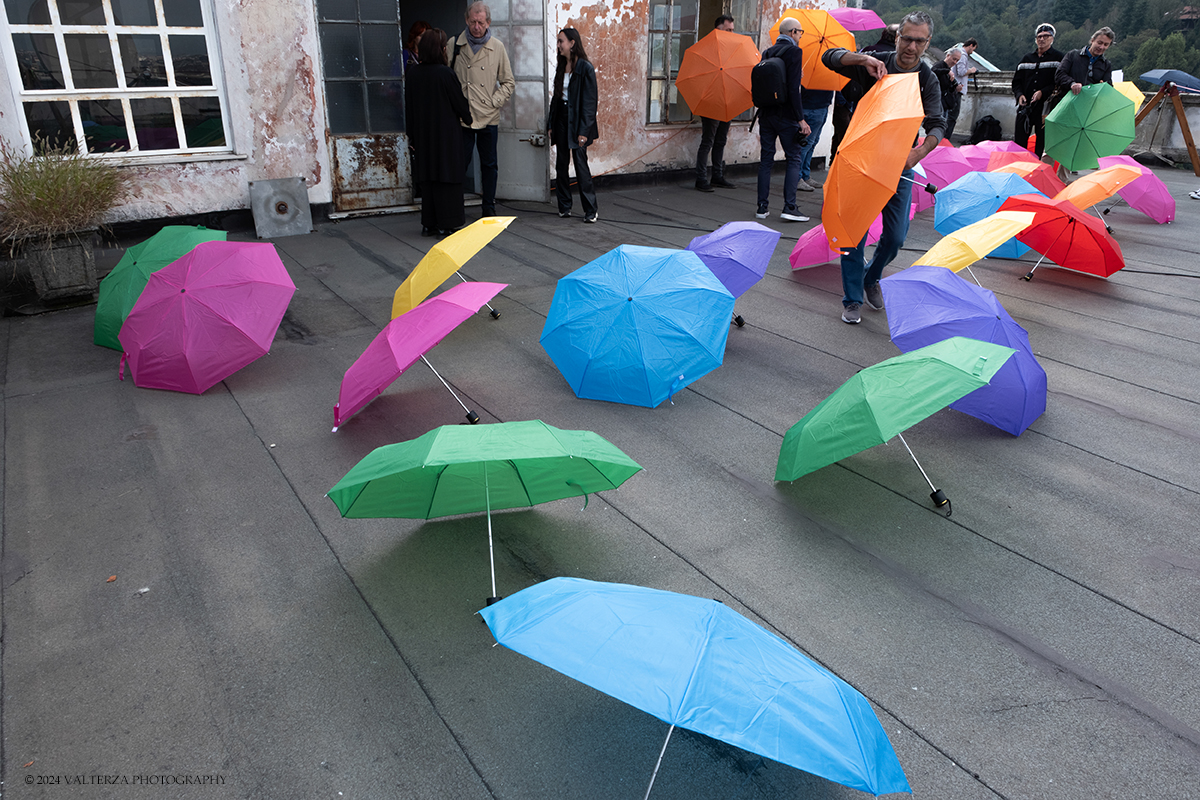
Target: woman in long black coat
435,105
572,122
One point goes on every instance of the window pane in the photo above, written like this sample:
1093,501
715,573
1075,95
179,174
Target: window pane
347,113
134,12
685,15
104,125
37,58
154,122
658,42
679,107
337,9
385,104
381,49
658,14
679,43
183,13
27,12
202,121
339,51
83,12
50,122
91,61
189,54
656,103
142,57
378,10
745,14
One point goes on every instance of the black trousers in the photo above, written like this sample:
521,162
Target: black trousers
1032,122
442,206
583,173
713,134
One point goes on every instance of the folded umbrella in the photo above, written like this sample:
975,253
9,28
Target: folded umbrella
1147,194
1040,176
1067,236
698,664
821,32
927,305
975,196
714,76
1082,127
1102,184
963,247
444,259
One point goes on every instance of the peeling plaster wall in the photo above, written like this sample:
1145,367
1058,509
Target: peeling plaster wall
617,40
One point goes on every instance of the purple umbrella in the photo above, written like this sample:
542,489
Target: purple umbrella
1147,194
857,19
928,304
738,254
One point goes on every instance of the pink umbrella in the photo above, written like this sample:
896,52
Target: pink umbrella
1147,194
405,339
1001,147
976,156
812,248
942,167
205,316
857,19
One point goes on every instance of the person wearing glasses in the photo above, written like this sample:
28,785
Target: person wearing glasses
1032,83
786,123
860,282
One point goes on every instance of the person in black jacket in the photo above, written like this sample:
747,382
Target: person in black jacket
572,122
786,123
1085,66
1032,84
436,105
944,72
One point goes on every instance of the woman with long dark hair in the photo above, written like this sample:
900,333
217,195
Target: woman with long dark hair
572,122
435,104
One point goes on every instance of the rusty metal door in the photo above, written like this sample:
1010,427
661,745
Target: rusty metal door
362,71
522,154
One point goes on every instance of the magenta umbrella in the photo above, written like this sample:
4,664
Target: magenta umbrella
205,316
1147,194
813,249
405,339
943,166
857,19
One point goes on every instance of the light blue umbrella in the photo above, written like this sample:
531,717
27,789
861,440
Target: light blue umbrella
700,665
975,196
637,325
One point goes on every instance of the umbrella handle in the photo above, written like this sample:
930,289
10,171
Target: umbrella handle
937,495
585,494
929,187
659,762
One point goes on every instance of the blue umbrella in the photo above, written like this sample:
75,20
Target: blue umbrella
700,665
737,253
637,325
929,304
1185,82
977,195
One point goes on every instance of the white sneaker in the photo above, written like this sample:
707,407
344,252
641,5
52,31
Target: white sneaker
1195,195
793,216
762,214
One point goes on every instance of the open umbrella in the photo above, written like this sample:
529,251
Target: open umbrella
976,156
1082,127
975,196
857,19
1001,157
698,664
121,288
738,254
963,247
714,76
821,32
883,400
404,340
206,315
1102,184
445,259
871,158
927,304
1185,81
637,325
1147,194
1067,236
812,248
1040,176
942,167
461,469
1130,90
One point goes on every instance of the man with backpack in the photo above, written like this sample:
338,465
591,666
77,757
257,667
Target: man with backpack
861,282
775,84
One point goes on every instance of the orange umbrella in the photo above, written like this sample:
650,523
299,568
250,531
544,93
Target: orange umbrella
1040,176
714,76
1100,185
871,157
821,32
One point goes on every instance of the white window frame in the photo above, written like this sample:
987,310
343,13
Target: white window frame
122,91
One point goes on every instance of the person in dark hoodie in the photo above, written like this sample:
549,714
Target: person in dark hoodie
1032,84
784,122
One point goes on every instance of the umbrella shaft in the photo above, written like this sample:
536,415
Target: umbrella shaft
443,380
658,763
918,463
491,551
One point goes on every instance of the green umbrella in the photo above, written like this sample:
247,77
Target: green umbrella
121,288
883,400
461,469
1096,122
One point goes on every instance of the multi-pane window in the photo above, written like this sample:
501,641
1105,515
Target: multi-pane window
361,49
118,76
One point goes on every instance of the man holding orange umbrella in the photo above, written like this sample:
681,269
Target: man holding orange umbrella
713,133
861,282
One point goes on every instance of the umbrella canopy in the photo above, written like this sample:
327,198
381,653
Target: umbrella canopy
405,339
821,32
942,167
714,76
1130,90
444,259
871,158
990,146
121,288
857,19
206,315
975,196
637,325
1096,122
1147,194
812,248
1040,176
1067,236
737,253
927,304
884,400
1100,185
965,246
976,156
1186,82
698,664
1001,157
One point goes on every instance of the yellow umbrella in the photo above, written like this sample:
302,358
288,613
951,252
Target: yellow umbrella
444,259
969,244
1130,90
821,32
1100,185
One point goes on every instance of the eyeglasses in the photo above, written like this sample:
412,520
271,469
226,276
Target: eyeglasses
1044,36
913,40
793,32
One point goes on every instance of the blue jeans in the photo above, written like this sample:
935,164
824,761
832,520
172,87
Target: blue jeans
895,229
769,129
484,139
815,117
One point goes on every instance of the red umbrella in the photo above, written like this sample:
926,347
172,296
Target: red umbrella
1040,176
1067,236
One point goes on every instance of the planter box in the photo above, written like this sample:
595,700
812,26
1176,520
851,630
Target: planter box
64,268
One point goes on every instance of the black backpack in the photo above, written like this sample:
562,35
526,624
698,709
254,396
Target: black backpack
986,129
768,83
